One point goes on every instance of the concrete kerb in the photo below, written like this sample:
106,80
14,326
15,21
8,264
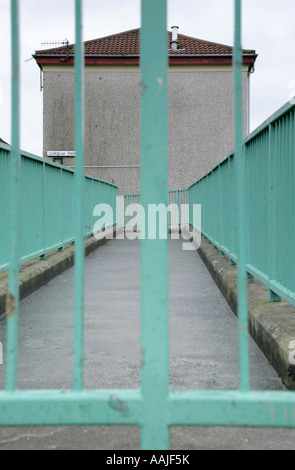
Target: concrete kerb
37,273
271,324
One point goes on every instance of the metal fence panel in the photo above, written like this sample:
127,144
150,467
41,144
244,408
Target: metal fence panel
32,208
47,205
54,205
154,407
268,161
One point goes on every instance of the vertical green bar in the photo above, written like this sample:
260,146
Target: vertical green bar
154,253
241,213
79,202
178,205
272,169
12,307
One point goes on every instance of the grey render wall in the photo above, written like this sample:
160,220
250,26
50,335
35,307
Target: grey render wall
201,131
200,122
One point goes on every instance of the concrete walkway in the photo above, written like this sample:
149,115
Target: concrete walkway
203,349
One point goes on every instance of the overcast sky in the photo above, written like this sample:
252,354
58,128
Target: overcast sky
268,27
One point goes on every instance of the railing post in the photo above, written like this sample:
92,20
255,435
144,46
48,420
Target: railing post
179,209
12,302
240,191
79,202
272,227
61,212
43,256
154,253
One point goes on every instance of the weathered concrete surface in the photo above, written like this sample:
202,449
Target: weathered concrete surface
203,349
37,273
272,325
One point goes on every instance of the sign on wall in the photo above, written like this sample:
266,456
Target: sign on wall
63,153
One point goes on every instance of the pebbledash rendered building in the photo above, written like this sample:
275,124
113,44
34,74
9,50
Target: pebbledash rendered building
200,106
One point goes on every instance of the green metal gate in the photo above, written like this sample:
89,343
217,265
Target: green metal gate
154,407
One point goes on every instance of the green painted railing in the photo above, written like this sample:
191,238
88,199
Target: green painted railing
178,205
269,168
178,200
129,200
154,406
47,205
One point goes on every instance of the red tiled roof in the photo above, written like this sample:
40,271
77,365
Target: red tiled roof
128,44
3,141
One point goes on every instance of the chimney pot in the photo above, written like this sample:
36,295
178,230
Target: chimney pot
174,43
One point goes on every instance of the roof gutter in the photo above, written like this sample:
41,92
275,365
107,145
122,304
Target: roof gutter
248,59
35,56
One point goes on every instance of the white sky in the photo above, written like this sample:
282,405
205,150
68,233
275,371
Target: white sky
268,27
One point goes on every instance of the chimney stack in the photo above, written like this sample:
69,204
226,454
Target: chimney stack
174,43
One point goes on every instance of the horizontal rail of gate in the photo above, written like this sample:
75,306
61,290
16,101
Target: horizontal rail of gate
154,407
47,205
269,165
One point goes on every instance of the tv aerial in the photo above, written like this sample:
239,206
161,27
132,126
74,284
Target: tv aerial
64,42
